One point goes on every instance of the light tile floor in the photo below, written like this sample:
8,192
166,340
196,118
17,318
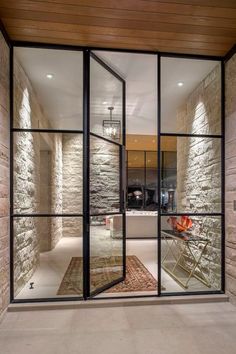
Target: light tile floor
53,265
155,329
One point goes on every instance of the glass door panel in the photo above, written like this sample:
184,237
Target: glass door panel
106,229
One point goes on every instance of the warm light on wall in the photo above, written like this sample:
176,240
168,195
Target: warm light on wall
25,111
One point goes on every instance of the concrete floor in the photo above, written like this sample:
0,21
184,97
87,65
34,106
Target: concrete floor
166,329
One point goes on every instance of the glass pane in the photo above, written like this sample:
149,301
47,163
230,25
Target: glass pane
151,195
191,253
48,89
48,258
106,103
48,173
136,179
104,176
195,186
106,250
190,96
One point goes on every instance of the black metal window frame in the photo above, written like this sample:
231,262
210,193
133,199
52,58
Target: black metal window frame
86,52
221,214
13,216
88,55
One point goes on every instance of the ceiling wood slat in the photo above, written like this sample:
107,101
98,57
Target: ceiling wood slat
115,45
118,14
195,27
187,8
62,18
118,32
124,40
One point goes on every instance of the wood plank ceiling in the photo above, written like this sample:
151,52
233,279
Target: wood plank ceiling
181,26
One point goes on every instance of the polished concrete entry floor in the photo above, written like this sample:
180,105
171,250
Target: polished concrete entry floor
207,328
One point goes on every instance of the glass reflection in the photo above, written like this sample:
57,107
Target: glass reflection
48,173
191,177
48,257
191,253
104,176
106,250
194,89
48,89
106,103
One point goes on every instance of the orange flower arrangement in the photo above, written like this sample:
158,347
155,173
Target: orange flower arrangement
182,225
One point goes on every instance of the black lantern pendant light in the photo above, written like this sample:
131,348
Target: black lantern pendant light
111,128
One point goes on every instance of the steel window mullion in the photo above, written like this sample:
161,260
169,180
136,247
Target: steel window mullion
188,135
11,73
105,139
43,215
191,214
35,130
86,174
223,175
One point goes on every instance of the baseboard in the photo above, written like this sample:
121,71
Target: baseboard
170,300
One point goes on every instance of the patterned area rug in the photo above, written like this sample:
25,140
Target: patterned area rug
107,269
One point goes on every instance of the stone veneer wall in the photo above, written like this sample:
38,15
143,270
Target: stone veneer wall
56,189
4,174
199,168
28,184
104,176
45,199
72,195
230,177
27,113
47,179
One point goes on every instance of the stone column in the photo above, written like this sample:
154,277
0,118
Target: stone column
4,174
230,177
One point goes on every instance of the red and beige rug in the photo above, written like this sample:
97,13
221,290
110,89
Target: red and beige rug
104,270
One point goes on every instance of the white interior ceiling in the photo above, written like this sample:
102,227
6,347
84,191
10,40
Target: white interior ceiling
61,97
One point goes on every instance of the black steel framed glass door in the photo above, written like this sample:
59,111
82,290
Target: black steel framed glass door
106,156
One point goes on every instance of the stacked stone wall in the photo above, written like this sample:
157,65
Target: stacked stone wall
27,114
104,176
199,169
230,177
4,174
72,195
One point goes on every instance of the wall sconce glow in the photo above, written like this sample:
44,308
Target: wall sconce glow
180,84
49,76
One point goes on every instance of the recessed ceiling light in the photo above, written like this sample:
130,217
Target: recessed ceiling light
49,76
105,102
180,84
